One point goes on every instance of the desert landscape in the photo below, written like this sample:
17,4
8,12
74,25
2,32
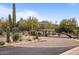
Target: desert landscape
24,33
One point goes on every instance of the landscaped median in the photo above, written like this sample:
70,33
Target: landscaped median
74,51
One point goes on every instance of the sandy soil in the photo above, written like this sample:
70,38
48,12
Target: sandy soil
50,42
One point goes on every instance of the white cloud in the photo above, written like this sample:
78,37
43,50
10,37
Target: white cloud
4,11
26,13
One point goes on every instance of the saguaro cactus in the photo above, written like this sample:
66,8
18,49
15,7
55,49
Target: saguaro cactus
10,22
8,34
14,15
8,29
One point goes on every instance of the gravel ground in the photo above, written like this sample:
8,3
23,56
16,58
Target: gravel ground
50,42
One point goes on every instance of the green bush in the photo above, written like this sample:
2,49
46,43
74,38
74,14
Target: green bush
16,37
2,43
1,31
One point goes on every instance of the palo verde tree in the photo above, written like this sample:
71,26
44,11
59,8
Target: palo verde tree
68,25
32,23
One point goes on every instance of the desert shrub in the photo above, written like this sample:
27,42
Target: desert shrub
39,34
29,39
36,36
23,33
78,37
15,30
46,34
54,33
1,31
20,39
16,37
2,43
33,32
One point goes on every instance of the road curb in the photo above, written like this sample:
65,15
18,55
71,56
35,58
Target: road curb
72,51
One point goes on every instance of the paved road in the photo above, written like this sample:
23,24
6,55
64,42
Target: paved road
33,51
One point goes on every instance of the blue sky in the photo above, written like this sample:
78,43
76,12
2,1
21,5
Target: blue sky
43,11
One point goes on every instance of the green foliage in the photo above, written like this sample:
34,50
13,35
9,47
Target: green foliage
32,23
68,25
2,43
3,24
29,24
16,37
